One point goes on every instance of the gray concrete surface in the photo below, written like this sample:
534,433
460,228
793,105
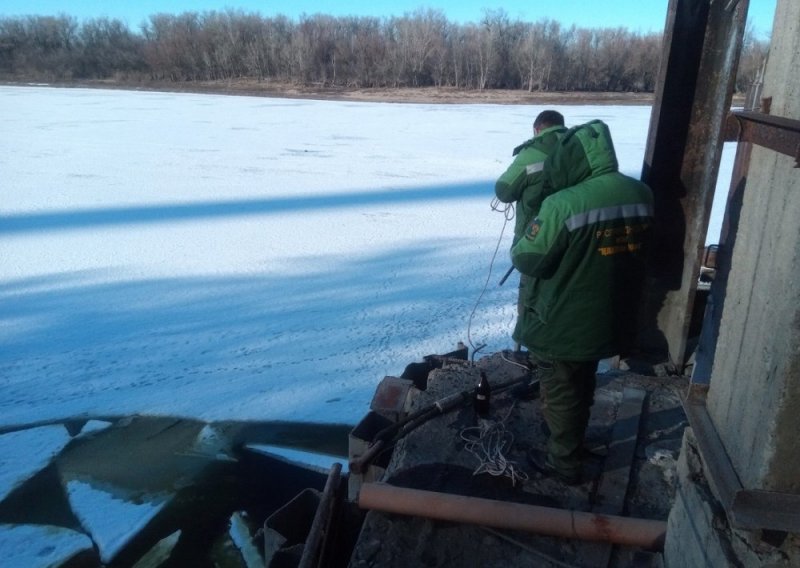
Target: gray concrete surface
755,383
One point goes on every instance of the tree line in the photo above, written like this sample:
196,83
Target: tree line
419,49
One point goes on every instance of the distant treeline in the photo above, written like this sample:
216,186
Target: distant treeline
416,50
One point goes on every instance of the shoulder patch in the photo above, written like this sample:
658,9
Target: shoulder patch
533,229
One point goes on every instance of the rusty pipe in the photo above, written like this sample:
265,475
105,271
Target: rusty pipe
549,521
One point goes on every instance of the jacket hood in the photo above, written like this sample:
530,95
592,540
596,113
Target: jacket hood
584,152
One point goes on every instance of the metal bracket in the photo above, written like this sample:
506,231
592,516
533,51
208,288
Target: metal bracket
774,132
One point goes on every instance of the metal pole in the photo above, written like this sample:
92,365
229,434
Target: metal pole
516,516
313,548
695,86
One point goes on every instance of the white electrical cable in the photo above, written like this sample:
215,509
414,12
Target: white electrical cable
508,214
512,362
489,441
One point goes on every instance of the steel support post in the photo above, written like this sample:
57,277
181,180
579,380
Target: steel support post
695,87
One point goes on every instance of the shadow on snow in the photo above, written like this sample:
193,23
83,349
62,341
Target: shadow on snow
83,218
259,347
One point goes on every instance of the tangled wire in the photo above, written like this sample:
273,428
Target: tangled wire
489,442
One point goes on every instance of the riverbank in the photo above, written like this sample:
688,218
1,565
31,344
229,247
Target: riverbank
422,95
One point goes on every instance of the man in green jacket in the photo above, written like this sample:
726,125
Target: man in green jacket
585,252
522,183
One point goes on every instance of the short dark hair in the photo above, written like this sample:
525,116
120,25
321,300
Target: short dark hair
548,118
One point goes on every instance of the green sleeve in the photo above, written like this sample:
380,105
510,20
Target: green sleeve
522,172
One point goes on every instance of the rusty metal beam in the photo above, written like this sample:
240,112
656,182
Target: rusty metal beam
314,549
719,471
747,509
695,87
773,132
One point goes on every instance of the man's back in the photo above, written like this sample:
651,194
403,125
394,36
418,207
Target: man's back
586,252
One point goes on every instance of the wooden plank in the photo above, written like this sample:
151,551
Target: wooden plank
616,471
617,468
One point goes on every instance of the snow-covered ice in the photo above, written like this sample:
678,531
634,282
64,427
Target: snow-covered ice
40,546
247,258
111,520
24,453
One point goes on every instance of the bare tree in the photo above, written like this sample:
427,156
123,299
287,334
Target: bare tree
537,51
419,49
611,59
40,46
644,54
109,48
751,60
173,46
315,49
273,48
362,52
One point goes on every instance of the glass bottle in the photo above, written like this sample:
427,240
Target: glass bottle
482,394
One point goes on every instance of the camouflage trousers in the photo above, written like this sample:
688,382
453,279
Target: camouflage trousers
567,394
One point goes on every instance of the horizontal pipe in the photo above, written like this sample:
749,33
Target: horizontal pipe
549,521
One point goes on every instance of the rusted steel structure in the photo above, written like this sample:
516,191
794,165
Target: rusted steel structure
750,486
687,129
774,132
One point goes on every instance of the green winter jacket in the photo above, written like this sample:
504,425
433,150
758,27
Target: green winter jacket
522,181
586,251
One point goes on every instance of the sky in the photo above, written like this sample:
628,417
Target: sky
636,15
221,258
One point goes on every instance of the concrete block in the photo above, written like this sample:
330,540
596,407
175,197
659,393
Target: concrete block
391,398
755,384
